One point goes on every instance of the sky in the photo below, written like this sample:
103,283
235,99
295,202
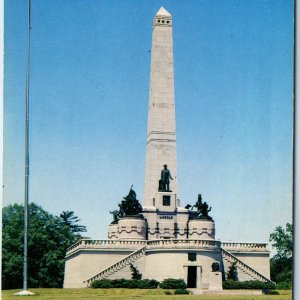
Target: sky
89,87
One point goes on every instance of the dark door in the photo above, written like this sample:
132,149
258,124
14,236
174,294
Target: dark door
192,277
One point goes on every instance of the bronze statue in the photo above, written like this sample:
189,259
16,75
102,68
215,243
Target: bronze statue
202,208
215,267
130,206
164,182
115,214
198,204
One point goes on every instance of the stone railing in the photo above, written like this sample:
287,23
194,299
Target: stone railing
182,244
105,244
244,267
259,247
161,244
117,266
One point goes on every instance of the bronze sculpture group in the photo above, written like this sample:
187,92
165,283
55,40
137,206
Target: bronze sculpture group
130,206
202,209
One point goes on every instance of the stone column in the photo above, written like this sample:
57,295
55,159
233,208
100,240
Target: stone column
198,283
161,133
185,268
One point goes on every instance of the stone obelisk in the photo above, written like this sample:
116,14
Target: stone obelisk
161,132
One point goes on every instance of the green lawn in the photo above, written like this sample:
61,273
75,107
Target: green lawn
130,294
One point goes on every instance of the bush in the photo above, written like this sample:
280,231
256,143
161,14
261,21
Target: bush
171,283
181,292
252,284
168,293
270,292
120,283
125,283
284,285
135,274
101,284
148,284
132,284
232,272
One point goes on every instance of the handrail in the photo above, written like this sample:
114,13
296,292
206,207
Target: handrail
245,266
121,263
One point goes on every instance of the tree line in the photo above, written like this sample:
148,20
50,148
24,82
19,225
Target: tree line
48,238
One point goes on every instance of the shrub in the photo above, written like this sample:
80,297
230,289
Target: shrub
270,292
181,292
284,285
252,284
101,284
149,284
132,284
135,274
125,283
232,272
171,283
168,293
120,283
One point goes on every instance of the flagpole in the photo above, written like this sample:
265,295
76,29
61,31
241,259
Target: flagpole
25,292
25,263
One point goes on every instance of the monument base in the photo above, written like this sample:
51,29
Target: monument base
165,201
132,228
215,281
113,231
200,229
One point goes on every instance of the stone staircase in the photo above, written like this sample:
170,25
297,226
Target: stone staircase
122,263
227,256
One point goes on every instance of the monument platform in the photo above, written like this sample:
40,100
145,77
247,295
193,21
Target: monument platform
90,260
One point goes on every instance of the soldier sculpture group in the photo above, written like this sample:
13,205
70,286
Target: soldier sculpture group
130,206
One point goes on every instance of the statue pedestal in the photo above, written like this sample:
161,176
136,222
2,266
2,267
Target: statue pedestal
165,201
132,228
113,231
215,281
201,229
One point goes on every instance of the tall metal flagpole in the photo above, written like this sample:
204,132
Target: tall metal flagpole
26,156
25,269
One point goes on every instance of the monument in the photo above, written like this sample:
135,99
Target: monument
161,238
161,131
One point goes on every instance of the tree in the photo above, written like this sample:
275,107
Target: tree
135,274
48,239
69,219
282,261
232,272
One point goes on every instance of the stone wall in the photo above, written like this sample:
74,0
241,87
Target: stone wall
162,259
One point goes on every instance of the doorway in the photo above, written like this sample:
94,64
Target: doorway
192,277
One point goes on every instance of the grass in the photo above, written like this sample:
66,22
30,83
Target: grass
131,294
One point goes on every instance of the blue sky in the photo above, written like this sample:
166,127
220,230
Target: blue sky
90,68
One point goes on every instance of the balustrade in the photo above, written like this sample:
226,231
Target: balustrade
118,265
110,244
243,266
244,246
131,244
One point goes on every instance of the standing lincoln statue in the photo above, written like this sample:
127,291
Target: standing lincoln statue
165,180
